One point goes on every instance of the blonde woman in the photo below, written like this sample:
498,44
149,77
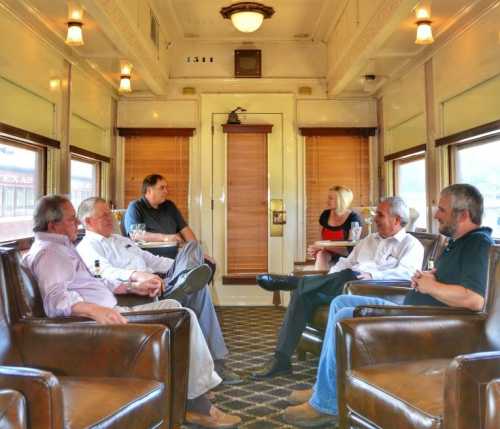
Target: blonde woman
335,224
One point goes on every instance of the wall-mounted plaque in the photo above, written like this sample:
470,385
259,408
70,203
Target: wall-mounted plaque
247,63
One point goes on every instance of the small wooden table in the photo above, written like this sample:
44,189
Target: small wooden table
327,244
160,248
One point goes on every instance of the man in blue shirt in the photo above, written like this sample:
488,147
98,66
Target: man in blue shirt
459,280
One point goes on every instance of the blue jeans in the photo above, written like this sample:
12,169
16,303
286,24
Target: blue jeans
324,398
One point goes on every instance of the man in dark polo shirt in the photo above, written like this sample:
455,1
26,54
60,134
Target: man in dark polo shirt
163,220
459,280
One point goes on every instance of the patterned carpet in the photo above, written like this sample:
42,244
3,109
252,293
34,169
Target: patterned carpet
250,334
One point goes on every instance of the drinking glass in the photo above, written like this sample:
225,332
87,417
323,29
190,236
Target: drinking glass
137,231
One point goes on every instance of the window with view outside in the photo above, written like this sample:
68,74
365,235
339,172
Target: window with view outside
83,181
479,165
411,187
20,186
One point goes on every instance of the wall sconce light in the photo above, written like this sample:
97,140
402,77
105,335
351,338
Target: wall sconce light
125,78
54,84
424,29
74,36
247,16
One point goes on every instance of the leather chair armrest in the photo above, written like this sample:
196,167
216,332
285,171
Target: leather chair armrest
493,405
391,290
351,287
140,351
409,310
303,273
178,322
370,341
12,409
42,392
130,299
465,389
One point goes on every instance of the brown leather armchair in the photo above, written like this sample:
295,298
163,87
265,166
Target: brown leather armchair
26,305
493,404
392,290
12,410
85,376
420,372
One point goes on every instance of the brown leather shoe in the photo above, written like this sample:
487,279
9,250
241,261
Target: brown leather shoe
298,397
216,419
306,416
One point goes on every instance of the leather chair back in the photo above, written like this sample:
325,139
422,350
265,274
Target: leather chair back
492,298
434,245
9,355
23,288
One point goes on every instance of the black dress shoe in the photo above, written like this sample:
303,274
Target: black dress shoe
272,369
273,282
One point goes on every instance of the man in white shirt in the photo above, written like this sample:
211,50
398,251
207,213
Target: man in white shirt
121,259
390,253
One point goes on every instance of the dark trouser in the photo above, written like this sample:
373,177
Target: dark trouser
312,292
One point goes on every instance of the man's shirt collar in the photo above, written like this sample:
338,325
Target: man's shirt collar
53,238
399,236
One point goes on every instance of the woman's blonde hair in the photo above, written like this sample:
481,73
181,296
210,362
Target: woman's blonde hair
344,198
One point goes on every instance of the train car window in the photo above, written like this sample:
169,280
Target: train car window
84,179
21,184
479,165
409,183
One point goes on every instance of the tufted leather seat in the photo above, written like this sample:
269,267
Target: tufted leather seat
26,305
395,291
84,375
12,410
420,372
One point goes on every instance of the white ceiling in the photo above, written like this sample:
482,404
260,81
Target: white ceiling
294,20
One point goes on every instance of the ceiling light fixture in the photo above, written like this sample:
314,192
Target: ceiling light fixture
74,36
125,78
247,16
424,29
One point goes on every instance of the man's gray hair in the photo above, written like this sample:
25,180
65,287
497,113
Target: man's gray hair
398,207
87,207
48,209
466,197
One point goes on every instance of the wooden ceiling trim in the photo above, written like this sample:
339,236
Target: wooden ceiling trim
407,152
338,131
156,132
247,128
473,135
88,154
14,133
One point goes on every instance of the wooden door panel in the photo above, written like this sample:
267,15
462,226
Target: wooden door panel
247,212
168,156
334,160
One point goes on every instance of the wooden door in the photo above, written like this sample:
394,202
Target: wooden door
247,212
334,160
168,156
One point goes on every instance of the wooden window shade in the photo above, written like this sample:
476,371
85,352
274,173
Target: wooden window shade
334,160
247,215
168,156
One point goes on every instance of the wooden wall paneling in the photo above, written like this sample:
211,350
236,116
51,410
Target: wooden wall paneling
334,160
247,205
168,156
